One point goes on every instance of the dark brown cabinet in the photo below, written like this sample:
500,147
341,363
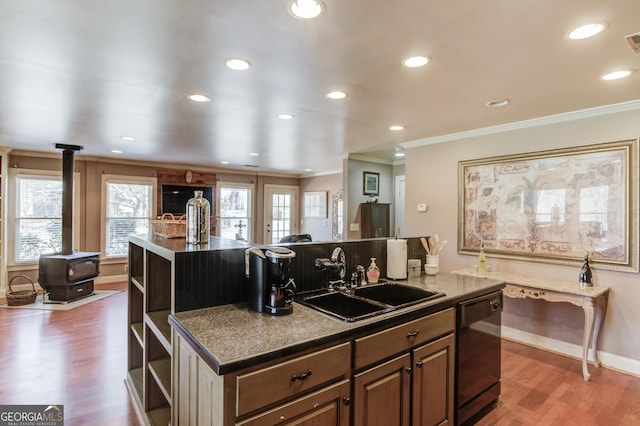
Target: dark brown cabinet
374,220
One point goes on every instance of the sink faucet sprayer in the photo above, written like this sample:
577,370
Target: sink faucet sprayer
336,263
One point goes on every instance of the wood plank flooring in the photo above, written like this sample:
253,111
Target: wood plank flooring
78,358
544,388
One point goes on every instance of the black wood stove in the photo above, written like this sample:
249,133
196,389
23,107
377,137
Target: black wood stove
68,275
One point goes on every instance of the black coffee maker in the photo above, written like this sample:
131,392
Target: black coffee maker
270,287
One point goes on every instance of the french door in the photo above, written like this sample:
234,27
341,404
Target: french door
280,212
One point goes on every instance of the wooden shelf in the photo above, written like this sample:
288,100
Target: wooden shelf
138,282
160,416
135,376
161,371
158,322
137,329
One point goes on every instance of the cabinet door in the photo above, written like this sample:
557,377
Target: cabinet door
433,382
374,219
328,406
381,395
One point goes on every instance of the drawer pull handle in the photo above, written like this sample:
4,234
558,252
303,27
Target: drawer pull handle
301,376
413,333
419,364
346,400
408,370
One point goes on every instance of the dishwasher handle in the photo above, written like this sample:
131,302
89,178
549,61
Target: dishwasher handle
479,308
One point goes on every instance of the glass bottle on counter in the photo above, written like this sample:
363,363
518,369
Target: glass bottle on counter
198,219
586,277
482,260
373,272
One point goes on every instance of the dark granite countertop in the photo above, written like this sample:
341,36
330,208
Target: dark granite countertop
169,246
231,337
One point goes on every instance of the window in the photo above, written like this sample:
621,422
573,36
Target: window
235,211
315,204
37,219
129,208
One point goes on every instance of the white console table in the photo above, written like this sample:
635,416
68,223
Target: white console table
593,301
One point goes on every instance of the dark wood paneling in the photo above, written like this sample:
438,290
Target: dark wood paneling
211,278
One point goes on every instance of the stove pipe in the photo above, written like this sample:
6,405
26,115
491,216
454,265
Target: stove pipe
68,152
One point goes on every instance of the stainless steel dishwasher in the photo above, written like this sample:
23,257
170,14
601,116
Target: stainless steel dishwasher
478,354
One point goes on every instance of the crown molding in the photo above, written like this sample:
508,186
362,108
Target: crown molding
534,122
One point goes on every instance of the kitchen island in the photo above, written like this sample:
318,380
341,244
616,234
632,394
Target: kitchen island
235,366
197,355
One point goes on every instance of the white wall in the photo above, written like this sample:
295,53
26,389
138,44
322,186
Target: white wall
432,178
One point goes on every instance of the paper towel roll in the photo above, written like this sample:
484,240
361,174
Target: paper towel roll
396,259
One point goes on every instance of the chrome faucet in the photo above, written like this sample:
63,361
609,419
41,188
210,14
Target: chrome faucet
336,263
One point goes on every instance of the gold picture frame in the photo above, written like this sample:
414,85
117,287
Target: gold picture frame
552,206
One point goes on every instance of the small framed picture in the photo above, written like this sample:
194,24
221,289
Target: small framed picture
371,183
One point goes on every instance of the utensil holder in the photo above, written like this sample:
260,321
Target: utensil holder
435,261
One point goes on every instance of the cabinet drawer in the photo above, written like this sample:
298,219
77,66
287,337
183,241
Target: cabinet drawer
328,406
272,384
403,337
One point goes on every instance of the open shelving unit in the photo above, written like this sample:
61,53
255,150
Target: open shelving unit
149,307
168,276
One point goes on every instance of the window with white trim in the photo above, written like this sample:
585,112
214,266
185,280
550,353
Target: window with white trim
36,223
235,211
129,205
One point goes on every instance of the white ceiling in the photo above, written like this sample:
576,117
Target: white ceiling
89,72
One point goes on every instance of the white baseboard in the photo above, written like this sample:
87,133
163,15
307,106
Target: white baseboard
613,361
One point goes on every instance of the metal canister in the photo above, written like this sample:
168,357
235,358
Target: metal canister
198,219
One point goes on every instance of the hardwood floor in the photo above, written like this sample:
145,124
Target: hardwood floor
544,388
78,358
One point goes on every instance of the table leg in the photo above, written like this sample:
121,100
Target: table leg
586,340
600,305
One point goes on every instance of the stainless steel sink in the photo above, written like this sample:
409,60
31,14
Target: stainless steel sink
396,295
365,302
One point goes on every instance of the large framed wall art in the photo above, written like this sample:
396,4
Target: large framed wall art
553,206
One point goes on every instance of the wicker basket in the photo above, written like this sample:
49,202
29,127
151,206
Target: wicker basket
169,227
21,297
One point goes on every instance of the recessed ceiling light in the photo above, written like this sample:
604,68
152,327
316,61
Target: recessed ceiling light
285,116
586,31
254,154
498,103
616,75
199,98
127,138
237,64
224,162
307,170
399,154
116,151
336,95
306,9
415,61
396,127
